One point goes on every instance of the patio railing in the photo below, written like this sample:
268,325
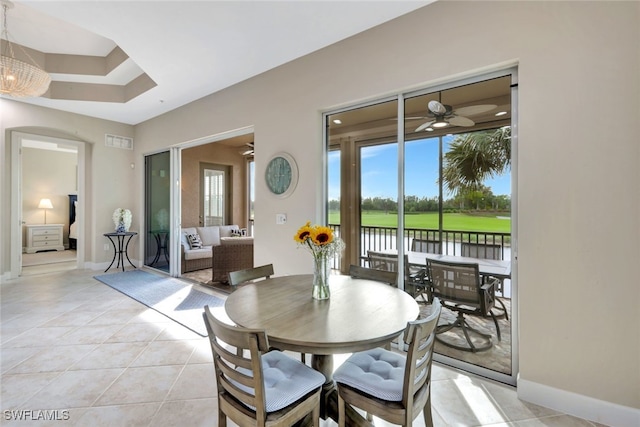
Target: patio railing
381,238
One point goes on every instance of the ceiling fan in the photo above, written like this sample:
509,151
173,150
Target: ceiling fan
443,115
249,150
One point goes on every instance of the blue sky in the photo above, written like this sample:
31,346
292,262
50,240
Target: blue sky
380,164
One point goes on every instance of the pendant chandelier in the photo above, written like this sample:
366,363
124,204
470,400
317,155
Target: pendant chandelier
19,79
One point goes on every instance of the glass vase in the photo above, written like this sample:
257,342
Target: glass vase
321,279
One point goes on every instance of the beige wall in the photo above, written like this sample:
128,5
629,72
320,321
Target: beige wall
52,175
578,183
215,153
108,181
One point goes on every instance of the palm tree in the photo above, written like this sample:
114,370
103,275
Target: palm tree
474,157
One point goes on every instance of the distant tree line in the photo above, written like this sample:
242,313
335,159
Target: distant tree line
481,199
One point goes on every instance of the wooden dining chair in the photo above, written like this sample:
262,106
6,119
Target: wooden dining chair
241,276
249,274
358,272
389,385
461,289
414,274
258,387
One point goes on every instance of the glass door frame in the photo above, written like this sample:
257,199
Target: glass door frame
350,223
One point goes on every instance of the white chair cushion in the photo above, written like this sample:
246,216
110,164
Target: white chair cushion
377,372
204,252
285,380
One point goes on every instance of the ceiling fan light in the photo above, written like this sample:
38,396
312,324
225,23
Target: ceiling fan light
501,113
440,123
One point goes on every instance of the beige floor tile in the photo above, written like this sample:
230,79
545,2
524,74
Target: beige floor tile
11,357
195,382
202,352
116,316
193,413
140,385
136,332
137,415
560,420
175,331
89,334
38,337
16,389
164,353
74,389
53,359
111,355
73,318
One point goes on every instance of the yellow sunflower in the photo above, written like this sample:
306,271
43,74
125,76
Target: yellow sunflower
303,233
322,235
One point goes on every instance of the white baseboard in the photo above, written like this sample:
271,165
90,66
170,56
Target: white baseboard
585,407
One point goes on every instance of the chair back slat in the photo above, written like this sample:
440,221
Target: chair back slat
429,246
452,281
242,368
482,250
420,336
382,261
358,272
241,276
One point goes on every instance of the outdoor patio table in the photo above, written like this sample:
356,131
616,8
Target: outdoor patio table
360,315
500,269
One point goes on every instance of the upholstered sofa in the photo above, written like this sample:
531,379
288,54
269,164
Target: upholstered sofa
194,258
233,254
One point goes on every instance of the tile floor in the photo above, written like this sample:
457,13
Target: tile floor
94,357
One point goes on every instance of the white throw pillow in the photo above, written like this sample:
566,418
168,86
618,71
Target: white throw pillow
194,241
210,235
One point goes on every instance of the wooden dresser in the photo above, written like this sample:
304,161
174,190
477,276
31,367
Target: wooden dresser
44,237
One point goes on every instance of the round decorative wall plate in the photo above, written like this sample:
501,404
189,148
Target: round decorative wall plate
281,175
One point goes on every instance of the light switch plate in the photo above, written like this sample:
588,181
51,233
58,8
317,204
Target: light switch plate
281,218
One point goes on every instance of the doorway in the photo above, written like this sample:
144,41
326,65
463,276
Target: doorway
46,184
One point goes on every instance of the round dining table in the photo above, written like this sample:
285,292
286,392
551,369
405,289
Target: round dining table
359,315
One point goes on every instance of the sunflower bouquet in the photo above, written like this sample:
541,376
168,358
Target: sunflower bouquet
323,244
319,240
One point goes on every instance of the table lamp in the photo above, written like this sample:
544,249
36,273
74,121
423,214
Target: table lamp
45,204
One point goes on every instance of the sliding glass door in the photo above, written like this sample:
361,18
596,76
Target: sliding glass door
157,211
432,179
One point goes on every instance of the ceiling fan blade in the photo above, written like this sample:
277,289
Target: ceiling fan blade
437,108
461,121
474,109
424,125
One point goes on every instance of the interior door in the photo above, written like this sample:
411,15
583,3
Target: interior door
214,194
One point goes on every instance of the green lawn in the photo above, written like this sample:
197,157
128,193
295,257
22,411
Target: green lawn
451,221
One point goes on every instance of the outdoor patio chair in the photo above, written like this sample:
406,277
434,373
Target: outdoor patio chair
388,385
359,272
414,274
428,246
460,289
482,250
258,387
487,251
